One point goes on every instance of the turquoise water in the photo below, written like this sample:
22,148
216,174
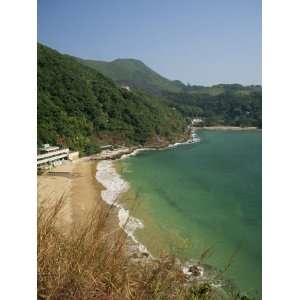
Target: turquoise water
204,195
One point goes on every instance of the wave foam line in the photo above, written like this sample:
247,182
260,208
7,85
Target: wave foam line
114,186
194,138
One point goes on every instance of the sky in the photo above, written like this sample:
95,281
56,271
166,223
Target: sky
201,42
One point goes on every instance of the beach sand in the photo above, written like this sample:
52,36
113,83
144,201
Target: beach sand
76,183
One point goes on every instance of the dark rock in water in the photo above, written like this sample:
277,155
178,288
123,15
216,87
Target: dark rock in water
201,276
194,270
145,254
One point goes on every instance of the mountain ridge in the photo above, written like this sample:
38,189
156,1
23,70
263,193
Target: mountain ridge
135,73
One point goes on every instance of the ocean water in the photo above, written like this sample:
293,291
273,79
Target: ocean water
202,196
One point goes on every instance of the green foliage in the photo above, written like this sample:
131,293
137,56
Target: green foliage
79,107
136,74
228,108
227,104
93,146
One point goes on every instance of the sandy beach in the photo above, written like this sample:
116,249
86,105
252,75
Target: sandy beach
84,185
76,183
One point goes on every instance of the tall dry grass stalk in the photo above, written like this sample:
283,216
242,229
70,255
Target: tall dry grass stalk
92,263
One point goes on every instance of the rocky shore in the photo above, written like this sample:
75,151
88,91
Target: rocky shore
221,127
122,152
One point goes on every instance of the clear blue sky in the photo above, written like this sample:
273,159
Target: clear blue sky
196,41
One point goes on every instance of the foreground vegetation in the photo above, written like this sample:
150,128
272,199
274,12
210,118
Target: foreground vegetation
89,262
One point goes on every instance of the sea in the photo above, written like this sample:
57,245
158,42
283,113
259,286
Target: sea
202,201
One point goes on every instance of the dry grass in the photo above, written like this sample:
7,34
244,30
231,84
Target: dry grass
89,263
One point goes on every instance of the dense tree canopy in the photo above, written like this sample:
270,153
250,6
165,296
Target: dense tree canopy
136,74
80,108
228,108
229,104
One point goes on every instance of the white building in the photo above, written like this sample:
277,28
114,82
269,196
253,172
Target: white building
126,87
51,155
197,122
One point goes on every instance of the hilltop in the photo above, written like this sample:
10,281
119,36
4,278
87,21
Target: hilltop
136,74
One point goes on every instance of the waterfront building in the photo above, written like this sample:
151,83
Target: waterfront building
53,155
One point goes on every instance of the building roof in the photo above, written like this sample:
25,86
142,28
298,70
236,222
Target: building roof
106,146
48,148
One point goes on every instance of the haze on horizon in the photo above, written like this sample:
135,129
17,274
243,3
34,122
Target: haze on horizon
198,42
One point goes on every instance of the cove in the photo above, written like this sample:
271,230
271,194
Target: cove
202,196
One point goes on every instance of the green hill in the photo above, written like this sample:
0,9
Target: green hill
135,74
228,108
228,104
219,89
80,108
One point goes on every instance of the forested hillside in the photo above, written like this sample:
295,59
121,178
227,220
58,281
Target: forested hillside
80,108
227,108
221,104
135,74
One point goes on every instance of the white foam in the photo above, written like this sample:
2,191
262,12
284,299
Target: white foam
111,180
114,187
136,151
194,138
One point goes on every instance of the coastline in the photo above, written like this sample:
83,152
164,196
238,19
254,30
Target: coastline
124,152
188,267
220,127
91,183
96,180
115,186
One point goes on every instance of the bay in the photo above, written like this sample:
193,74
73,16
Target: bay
202,196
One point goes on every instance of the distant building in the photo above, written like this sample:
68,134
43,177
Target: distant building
125,87
105,147
53,156
197,122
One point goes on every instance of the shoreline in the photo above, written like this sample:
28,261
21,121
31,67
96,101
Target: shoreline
115,186
92,183
221,127
124,152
